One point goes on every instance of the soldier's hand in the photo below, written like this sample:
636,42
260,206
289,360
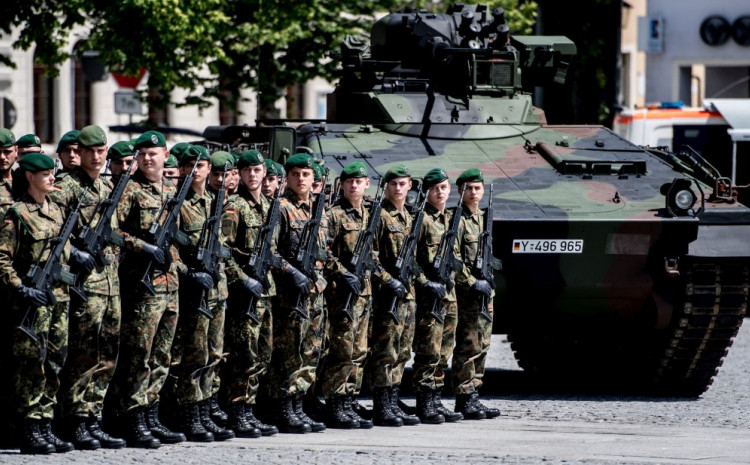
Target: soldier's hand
436,289
201,278
483,286
351,282
83,259
32,296
300,281
154,252
396,288
253,286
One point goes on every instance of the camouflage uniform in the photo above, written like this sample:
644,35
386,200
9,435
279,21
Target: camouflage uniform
6,195
148,321
24,237
95,323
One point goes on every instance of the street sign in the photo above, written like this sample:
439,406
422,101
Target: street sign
127,103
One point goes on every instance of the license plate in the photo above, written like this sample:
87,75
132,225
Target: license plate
548,246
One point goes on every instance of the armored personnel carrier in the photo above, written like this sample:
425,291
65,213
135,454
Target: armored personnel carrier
621,266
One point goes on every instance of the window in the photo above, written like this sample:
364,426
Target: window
81,94
44,104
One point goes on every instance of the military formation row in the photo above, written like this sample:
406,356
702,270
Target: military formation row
231,280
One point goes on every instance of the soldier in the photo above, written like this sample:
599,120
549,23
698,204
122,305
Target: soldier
67,152
274,173
171,167
120,156
178,149
8,155
28,143
25,236
94,317
149,321
391,341
218,160
473,331
433,340
200,330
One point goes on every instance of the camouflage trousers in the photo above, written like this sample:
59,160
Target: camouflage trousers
390,343
197,349
287,365
37,365
433,343
343,367
146,336
248,346
313,342
94,344
473,333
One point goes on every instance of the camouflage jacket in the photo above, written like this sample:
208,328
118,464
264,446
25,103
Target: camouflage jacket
470,228
25,239
6,196
394,226
103,281
194,213
434,226
140,203
242,219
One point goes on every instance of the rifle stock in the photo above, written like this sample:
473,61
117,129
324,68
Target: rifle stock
485,262
308,250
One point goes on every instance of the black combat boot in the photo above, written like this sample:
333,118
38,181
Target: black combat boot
161,432
265,429
218,415
287,420
426,411
107,441
350,404
437,401
45,428
220,434
467,409
315,426
138,434
32,441
337,416
191,425
489,411
382,414
408,420
80,435
238,422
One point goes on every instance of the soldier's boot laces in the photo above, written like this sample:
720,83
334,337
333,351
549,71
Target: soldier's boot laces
32,441
336,415
159,431
265,429
287,420
218,415
382,414
437,401
220,434
45,428
138,433
107,441
191,424
489,411
354,408
426,411
408,420
238,422
80,435
316,426
467,409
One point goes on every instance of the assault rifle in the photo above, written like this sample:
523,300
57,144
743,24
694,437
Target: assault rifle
210,250
163,234
43,275
486,263
406,265
445,262
309,251
261,257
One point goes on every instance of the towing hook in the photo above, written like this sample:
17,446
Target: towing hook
671,266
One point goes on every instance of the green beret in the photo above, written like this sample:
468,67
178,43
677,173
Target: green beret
219,159
29,140
398,171
472,175
120,150
298,160
68,139
355,169
92,136
171,162
236,158
150,139
7,139
434,176
193,153
178,149
272,168
318,172
36,161
250,158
